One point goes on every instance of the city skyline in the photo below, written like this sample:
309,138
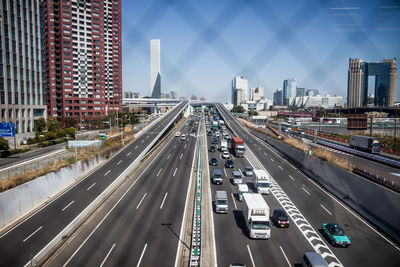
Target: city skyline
204,47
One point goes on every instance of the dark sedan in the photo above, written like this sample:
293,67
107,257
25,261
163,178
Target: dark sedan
212,149
213,161
229,164
280,218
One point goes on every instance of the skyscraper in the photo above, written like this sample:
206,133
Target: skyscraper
289,90
155,74
385,82
256,93
239,83
300,91
278,97
83,57
22,80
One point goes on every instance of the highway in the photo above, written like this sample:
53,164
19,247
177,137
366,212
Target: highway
20,158
141,224
317,206
23,241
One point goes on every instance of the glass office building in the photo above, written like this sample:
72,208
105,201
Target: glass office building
22,77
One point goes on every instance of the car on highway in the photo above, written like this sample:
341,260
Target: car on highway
215,140
177,134
248,171
212,149
236,177
229,164
183,137
280,218
225,154
335,235
213,161
209,132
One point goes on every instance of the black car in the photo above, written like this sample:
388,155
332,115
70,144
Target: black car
215,141
229,164
212,149
213,161
280,218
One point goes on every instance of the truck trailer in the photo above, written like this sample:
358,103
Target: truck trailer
237,146
261,181
256,215
365,143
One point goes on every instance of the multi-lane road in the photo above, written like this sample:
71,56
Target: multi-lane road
317,206
29,237
141,224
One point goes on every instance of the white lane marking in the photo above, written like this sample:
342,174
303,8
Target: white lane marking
87,189
181,156
225,173
355,215
168,156
162,203
174,146
251,256
234,202
326,209
159,172
142,141
175,172
283,252
291,177
220,157
141,200
306,191
108,254
136,147
185,146
280,167
72,202
119,162
141,255
240,171
32,234
265,154
272,160
128,154
107,172
147,136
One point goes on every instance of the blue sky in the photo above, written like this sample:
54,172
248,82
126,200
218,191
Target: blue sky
204,44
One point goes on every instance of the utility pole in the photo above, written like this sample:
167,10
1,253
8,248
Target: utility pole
394,136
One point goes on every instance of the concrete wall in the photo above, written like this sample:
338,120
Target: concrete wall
17,201
374,202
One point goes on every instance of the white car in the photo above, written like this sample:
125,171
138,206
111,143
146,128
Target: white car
177,134
183,137
225,155
248,171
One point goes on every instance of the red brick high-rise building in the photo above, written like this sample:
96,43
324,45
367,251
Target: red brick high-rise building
83,57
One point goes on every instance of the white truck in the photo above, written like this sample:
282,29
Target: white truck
221,202
256,215
242,189
223,145
261,181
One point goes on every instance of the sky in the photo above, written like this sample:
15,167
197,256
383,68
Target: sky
206,43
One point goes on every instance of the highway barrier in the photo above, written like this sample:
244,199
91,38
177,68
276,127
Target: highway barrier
195,248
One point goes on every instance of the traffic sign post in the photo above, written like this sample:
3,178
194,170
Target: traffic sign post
7,129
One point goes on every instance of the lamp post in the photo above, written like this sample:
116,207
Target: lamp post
394,136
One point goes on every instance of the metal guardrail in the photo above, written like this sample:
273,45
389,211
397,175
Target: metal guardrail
195,248
374,157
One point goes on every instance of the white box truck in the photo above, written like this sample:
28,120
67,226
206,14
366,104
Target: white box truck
256,215
223,145
261,181
221,202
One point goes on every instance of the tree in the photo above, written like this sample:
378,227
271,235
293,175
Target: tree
40,124
52,125
238,109
252,113
4,144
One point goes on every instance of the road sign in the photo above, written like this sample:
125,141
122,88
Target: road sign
7,129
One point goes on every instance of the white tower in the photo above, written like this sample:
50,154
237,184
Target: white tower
155,74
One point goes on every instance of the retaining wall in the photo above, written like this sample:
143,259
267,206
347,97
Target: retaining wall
373,201
17,201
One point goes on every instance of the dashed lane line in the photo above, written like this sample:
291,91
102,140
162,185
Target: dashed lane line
137,207
108,254
326,210
37,230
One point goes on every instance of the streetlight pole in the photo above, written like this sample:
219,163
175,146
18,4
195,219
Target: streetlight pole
394,136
